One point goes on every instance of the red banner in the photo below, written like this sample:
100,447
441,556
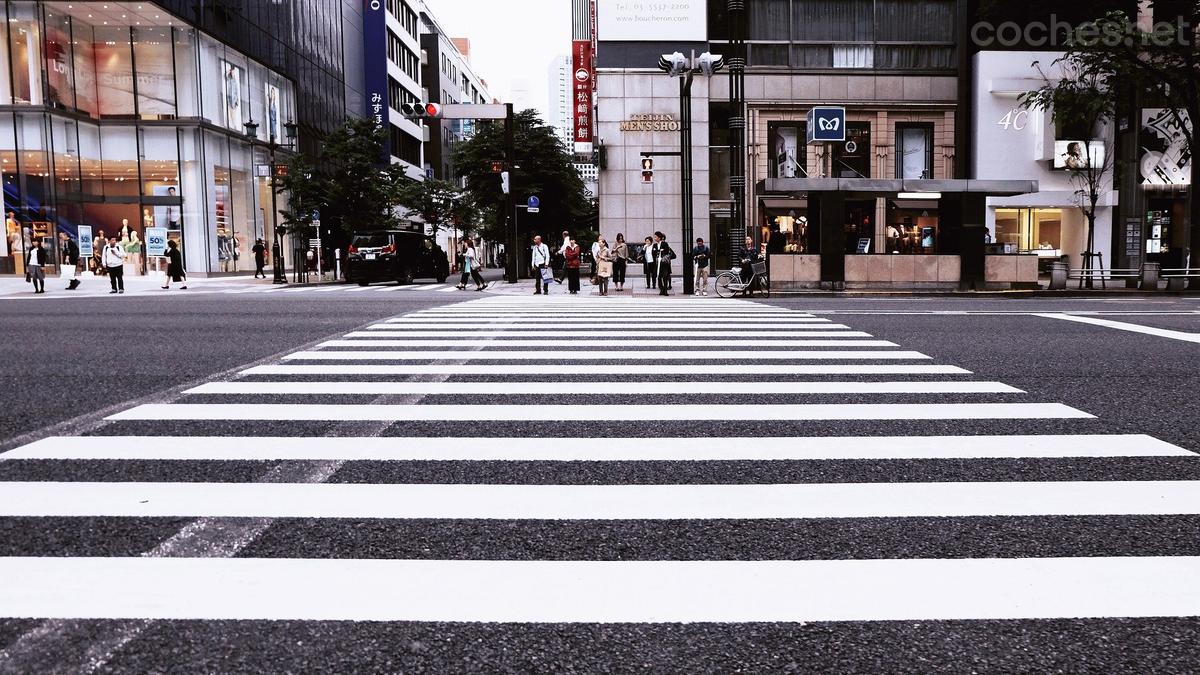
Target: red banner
582,76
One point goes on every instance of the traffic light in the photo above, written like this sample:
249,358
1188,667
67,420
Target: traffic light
647,170
710,63
504,182
421,111
674,64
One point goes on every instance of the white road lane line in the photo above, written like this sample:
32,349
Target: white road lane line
447,289
1131,327
649,369
622,355
573,388
470,341
44,499
568,591
771,448
330,289
358,289
465,332
608,318
627,413
645,325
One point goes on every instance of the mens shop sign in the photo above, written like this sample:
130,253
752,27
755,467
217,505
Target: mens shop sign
650,123
826,125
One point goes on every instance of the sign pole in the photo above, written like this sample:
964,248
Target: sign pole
514,266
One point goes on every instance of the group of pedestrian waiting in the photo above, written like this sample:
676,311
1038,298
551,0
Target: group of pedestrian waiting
113,256
609,263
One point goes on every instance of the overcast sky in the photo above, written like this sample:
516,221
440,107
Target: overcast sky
510,41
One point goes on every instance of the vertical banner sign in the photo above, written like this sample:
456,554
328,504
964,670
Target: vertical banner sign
375,62
156,241
85,241
581,61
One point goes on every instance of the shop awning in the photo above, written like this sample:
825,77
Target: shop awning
877,187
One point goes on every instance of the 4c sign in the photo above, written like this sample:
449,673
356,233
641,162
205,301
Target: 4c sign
826,125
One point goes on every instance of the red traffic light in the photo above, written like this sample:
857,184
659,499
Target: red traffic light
433,110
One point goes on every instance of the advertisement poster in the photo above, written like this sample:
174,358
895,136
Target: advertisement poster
1074,155
166,216
271,98
85,242
785,145
231,90
156,77
114,78
1165,156
581,62
156,241
60,75
675,21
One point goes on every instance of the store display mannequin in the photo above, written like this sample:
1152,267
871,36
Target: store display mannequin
13,233
98,251
147,219
124,229
133,249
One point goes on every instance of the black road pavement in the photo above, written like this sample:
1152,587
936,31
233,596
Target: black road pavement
433,482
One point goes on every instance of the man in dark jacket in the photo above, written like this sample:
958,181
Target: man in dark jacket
750,255
663,255
69,251
700,255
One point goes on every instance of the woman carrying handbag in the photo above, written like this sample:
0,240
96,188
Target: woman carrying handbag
604,266
620,259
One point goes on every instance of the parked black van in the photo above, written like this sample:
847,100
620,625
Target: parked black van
395,255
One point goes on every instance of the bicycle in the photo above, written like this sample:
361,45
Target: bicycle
730,283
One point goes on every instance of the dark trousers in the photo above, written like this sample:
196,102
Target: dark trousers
664,279
116,277
259,263
618,275
651,281
573,279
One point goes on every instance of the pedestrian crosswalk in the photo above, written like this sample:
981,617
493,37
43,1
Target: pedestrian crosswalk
470,422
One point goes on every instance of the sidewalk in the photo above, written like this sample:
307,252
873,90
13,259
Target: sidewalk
91,284
635,288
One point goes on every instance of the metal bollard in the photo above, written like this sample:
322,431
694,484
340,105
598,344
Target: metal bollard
1150,272
1058,275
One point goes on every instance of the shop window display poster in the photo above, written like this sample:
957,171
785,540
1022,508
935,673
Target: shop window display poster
167,216
231,90
271,98
1166,159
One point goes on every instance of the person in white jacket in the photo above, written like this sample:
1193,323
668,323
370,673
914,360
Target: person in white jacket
113,259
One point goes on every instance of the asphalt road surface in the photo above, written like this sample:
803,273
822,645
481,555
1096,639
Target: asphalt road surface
452,482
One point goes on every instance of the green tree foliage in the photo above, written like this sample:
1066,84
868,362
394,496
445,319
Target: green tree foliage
361,185
543,168
1162,64
441,204
1084,99
305,191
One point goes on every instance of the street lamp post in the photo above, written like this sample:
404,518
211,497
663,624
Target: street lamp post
278,266
678,65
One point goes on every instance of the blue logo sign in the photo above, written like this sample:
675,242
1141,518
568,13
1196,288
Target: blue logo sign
85,241
533,202
156,241
826,125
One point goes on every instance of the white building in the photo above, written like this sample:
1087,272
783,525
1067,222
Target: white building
560,111
1013,142
404,84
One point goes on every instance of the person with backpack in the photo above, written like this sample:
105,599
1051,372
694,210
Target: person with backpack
113,257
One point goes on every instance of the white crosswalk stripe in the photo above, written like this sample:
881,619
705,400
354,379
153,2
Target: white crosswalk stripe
699,413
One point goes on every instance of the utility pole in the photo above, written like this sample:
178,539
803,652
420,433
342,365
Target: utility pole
685,156
510,162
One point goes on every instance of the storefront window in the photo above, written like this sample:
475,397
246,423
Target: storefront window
852,159
912,226
160,163
24,60
156,73
860,226
84,55
114,72
187,75
914,151
60,65
787,231
1031,230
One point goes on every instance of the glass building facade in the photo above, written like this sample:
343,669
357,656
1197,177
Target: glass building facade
121,117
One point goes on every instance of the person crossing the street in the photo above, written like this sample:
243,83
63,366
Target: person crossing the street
175,264
260,258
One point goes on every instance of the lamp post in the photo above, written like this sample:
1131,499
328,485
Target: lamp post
278,267
678,65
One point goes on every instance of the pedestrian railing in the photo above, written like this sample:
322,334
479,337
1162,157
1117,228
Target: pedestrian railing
1177,277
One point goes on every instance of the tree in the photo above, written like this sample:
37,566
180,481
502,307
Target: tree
361,182
541,167
1082,99
440,203
1163,61
305,190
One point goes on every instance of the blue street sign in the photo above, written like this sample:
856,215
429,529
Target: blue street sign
533,202
826,125
428,173
156,241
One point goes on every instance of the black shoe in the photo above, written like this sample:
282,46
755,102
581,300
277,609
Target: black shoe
122,291
112,292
